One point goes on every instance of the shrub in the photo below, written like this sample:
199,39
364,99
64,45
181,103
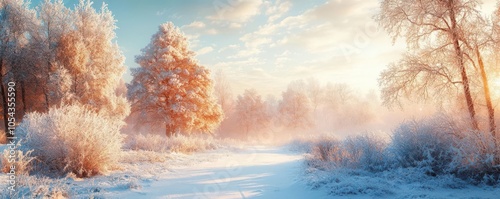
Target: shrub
427,144
431,147
475,157
150,142
365,152
359,152
177,143
23,162
73,139
38,188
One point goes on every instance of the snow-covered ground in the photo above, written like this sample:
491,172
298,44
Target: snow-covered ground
258,172
253,172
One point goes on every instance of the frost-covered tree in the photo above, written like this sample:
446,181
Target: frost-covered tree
16,21
94,60
251,112
55,20
315,92
445,39
223,92
224,95
337,95
171,87
295,108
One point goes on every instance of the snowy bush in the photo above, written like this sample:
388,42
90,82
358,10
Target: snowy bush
175,143
23,162
365,152
423,144
360,152
73,139
188,144
475,157
149,142
325,154
38,188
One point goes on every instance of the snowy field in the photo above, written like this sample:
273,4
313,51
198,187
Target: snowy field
254,172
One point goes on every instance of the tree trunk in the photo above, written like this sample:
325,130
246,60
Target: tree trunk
460,57
23,93
46,88
4,102
489,106
168,131
487,95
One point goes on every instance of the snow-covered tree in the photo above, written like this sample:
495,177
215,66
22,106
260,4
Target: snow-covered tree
337,95
315,92
446,39
16,21
94,60
55,20
171,87
223,92
224,95
251,112
295,108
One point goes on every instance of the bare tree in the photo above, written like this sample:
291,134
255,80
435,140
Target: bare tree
314,92
224,94
223,91
336,95
295,108
434,31
251,112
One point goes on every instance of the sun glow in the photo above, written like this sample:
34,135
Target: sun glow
495,88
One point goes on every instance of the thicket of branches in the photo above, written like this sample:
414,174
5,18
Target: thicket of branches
57,55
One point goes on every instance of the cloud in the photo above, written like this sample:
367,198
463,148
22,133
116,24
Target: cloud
277,10
233,14
205,50
160,13
194,25
326,27
239,11
281,59
230,47
252,42
197,27
245,53
239,63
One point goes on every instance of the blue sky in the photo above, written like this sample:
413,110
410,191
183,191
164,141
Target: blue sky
265,44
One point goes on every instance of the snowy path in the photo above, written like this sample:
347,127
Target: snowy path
259,172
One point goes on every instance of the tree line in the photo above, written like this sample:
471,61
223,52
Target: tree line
57,55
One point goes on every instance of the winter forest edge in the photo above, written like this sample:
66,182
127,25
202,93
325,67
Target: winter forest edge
73,127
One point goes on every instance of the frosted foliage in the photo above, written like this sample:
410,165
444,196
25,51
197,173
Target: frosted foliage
172,85
60,84
251,111
17,20
295,108
73,139
94,60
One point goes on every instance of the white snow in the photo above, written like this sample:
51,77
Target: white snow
259,172
255,172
